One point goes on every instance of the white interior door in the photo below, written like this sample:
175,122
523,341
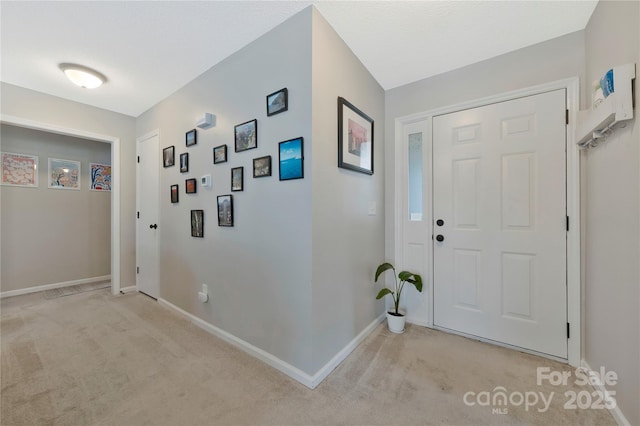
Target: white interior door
500,212
147,222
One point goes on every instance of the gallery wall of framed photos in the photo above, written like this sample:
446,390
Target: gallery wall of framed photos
289,155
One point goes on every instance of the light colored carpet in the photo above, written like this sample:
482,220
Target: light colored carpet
93,358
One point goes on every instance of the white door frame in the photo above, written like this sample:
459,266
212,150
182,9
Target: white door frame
574,304
115,179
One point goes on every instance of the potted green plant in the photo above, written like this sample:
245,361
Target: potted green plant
395,319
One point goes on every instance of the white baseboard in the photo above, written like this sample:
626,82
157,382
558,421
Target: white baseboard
295,373
344,353
616,412
52,286
130,289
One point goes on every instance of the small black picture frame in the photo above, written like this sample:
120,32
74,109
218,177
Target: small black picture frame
237,179
184,162
191,186
262,166
197,223
175,190
168,156
220,154
291,159
225,210
246,135
191,137
355,138
277,102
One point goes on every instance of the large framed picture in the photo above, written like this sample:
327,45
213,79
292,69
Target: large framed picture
246,135
220,154
168,156
184,162
262,166
355,138
100,177
191,137
19,170
197,223
225,210
277,102
291,159
175,190
237,179
64,174
190,186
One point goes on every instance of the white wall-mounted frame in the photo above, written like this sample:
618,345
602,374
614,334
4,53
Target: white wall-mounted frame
574,302
115,179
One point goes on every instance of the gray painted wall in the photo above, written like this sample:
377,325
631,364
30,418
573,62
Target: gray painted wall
611,184
348,243
259,271
30,105
274,276
50,235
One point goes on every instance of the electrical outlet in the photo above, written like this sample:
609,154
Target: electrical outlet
205,288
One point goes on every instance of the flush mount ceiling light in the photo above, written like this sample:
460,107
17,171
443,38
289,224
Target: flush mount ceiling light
83,76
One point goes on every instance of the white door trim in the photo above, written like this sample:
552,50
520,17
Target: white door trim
115,179
574,303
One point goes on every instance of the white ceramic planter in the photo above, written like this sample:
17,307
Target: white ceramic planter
395,323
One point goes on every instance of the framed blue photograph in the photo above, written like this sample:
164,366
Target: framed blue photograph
291,156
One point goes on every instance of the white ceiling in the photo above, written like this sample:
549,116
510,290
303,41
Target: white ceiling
149,49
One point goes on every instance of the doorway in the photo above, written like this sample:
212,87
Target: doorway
450,188
115,180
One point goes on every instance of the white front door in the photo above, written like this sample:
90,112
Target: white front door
499,212
147,221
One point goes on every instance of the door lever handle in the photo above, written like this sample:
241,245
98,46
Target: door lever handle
154,226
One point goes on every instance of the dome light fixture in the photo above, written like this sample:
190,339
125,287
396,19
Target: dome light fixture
83,76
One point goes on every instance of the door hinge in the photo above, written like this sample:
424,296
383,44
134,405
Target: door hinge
567,116
138,158
138,215
137,269
567,223
568,330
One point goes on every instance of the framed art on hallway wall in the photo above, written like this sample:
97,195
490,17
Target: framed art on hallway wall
220,154
175,190
100,177
246,136
190,186
225,210
191,138
197,223
168,156
64,174
19,170
355,138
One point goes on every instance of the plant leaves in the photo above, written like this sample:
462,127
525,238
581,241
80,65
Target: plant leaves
384,267
418,283
412,278
383,293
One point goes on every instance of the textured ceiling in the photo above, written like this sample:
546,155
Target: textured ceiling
150,49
